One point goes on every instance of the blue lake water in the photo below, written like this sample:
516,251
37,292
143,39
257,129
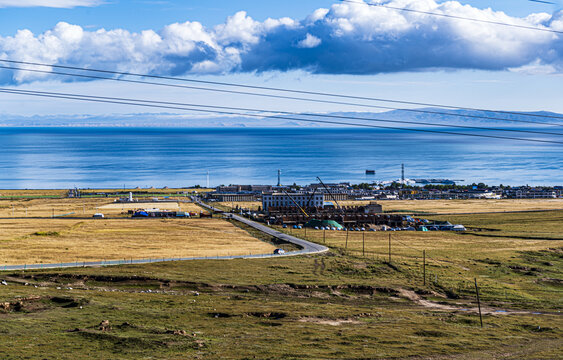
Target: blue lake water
117,157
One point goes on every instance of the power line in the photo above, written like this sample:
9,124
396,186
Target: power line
543,2
281,112
140,103
455,17
276,89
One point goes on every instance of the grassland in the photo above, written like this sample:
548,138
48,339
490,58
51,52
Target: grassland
83,207
29,241
250,205
495,250
464,206
114,209
346,304
37,193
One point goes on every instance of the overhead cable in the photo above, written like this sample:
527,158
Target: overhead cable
331,122
435,112
263,111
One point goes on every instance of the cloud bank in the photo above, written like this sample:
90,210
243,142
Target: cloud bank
345,39
48,3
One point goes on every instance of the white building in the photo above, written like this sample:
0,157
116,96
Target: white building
283,200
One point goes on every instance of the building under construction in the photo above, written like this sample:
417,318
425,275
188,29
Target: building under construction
309,208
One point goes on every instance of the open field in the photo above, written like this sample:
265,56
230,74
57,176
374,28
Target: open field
4,193
50,207
252,205
350,303
120,208
464,206
496,249
28,241
83,207
327,307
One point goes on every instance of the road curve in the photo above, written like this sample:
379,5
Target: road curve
307,247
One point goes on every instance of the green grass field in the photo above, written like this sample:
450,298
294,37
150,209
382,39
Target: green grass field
346,304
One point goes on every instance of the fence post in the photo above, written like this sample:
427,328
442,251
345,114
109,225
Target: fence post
478,302
389,248
346,247
424,265
363,244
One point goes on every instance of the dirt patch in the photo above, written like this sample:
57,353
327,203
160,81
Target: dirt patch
129,336
32,304
485,310
325,321
268,315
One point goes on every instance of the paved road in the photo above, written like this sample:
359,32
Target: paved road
306,248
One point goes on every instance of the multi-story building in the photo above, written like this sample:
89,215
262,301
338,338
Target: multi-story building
289,200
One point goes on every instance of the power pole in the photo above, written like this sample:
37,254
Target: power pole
279,177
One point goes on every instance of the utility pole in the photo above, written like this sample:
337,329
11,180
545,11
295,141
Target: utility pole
279,177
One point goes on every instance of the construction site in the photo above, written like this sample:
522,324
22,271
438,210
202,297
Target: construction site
312,209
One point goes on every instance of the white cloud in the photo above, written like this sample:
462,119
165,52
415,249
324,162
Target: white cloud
345,39
309,42
49,3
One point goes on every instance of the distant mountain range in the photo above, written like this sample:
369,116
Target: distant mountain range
417,119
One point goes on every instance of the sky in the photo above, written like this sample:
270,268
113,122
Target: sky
312,45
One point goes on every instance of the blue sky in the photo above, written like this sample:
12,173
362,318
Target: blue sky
348,48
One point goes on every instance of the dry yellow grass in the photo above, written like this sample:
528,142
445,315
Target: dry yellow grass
83,207
252,205
45,192
28,241
119,208
63,192
48,207
464,206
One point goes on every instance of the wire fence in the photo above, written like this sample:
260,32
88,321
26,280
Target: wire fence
427,269
101,263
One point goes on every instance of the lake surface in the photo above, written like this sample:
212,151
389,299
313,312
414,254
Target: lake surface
130,157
